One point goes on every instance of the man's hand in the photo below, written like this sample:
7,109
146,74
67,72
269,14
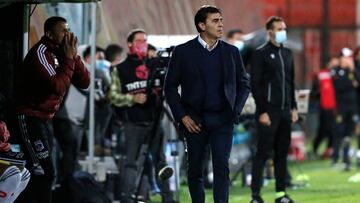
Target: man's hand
191,125
70,45
265,119
139,98
294,115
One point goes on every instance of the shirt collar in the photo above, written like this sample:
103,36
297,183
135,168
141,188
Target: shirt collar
205,45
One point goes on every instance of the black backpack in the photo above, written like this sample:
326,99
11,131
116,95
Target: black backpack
81,187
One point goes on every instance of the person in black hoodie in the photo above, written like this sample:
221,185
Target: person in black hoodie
272,82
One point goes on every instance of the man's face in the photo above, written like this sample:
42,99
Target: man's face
139,38
139,45
58,33
213,26
277,26
347,62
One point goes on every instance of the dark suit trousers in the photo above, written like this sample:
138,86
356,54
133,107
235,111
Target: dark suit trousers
274,138
220,141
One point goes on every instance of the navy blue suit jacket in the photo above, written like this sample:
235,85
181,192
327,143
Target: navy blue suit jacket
184,70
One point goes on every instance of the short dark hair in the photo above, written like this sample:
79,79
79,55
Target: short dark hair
271,20
52,21
111,51
132,33
87,51
202,13
232,32
151,47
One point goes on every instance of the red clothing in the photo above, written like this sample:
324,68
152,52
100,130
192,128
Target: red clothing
44,79
4,137
327,93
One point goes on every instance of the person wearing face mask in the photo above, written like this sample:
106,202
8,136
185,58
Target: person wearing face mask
49,68
136,105
272,82
235,37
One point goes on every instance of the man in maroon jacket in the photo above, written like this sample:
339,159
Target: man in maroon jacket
49,68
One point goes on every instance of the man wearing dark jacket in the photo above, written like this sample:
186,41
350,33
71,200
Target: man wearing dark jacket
214,88
48,69
345,84
272,82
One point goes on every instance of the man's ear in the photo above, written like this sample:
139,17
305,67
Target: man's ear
202,26
48,34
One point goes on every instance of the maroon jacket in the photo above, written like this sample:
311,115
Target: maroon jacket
44,78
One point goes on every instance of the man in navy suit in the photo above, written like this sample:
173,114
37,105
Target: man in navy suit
214,88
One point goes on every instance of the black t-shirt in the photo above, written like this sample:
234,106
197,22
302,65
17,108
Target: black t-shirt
134,74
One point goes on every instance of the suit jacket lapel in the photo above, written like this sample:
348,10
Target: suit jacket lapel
198,57
224,60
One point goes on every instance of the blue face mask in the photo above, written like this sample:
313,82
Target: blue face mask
102,64
239,44
280,36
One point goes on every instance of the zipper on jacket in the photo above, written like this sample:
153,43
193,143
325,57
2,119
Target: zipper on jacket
283,80
269,92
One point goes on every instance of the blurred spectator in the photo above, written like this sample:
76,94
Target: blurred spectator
357,129
103,110
113,54
345,85
152,51
323,91
235,37
69,126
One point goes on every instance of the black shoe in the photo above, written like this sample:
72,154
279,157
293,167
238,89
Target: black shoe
284,199
171,201
165,173
256,199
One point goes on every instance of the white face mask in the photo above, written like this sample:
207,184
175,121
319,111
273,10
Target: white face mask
239,44
280,36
